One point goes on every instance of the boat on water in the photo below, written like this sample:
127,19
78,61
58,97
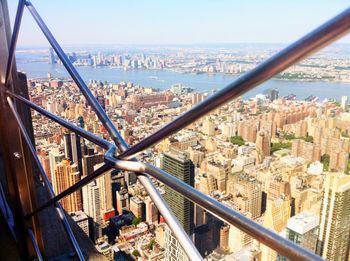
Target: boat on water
311,98
290,97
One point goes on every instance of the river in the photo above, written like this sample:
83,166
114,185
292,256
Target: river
163,79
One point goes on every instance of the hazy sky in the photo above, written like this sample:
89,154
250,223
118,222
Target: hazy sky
176,22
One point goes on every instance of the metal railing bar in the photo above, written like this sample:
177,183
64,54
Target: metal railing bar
323,35
35,245
101,114
82,132
268,237
47,183
71,189
165,210
13,43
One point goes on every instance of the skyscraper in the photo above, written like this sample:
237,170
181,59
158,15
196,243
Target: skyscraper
55,157
302,229
66,175
97,201
275,218
52,59
333,239
179,165
72,149
262,145
344,102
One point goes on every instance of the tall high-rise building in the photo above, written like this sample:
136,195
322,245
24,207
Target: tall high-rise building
82,220
55,157
66,175
302,229
97,202
208,127
178,164
151,211
72,149
173,249
122,200
76,150
276,216
344,102
247,193
137,207
333,239
263,145
52,59
89,161
224,237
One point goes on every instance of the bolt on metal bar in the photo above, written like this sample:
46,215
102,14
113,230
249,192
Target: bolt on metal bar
35,245
82,132
71,189
18,19
101,114
47,183
323,35
268,237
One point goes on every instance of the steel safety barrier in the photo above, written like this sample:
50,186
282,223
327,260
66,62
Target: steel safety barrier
122,157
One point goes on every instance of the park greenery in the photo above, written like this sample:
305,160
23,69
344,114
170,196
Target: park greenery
136,253
325,160
280,145
291,136
136,221
151,244
237,140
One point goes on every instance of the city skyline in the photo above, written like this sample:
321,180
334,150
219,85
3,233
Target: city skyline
177,23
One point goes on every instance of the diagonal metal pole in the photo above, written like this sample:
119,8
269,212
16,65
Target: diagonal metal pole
14,38
82,132
162,206
229,215
105,120
320,37
48,186
35,245
71,189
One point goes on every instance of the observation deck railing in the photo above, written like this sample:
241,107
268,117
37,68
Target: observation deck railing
122,157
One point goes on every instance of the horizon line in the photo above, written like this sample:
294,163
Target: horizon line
165,44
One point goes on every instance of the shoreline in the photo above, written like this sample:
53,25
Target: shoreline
202,73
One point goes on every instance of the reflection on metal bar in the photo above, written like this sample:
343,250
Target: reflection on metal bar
101,114
71,189
49,188
35,245
257,231
323,35
14,38
85,134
